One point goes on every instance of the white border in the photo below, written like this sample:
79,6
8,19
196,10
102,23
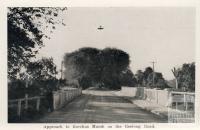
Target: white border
90,3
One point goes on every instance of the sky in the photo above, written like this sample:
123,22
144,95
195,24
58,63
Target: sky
165,35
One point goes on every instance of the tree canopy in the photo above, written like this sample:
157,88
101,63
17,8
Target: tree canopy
186,76
42,69
146,78
91,66
27,27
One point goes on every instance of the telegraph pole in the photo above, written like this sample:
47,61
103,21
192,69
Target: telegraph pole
61,71
153,62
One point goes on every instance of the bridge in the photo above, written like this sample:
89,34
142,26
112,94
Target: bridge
100,106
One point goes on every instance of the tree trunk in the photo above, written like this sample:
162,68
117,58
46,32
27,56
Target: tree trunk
176,83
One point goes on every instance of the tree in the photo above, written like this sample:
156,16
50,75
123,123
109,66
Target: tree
139,77
43,69
39,77
26,33
186,77
159,81
147,72
112,63
127,78
81,66
146,78
95,66
176,75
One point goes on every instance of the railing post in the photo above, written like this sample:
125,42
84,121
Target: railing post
170,99
26,102
185,101
176,105
67,96
70,94
186,106
19,107
184,98
156,96
38,104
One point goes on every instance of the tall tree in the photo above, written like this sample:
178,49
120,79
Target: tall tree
96,66
186,77
26,31
139,77
81,66
43,69
127,78
40,76
159,81
146,78
113,62
147,72
176,75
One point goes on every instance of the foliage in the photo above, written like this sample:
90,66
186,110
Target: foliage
43,69
139,77
159,81
37,79
80,66
146,73
127,78
17,88
146,79
91,66
26,31
112,63
186,77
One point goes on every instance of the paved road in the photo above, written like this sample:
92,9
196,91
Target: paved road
100,106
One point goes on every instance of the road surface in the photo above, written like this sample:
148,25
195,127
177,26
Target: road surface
100,106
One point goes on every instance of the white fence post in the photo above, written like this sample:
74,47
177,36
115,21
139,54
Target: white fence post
38,104
157,96
26,102
65,96
170,100
19,107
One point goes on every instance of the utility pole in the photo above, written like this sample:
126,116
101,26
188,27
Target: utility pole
61,71
153,62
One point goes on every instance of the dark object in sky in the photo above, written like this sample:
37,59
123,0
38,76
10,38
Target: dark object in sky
100,28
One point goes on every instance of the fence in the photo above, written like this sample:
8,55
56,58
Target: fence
162,97
23,103
62,97
182,100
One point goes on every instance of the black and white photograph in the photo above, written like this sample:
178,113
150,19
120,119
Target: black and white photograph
101,65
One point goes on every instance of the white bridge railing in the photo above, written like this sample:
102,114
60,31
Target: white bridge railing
185,98
162,97
178,105
62,97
